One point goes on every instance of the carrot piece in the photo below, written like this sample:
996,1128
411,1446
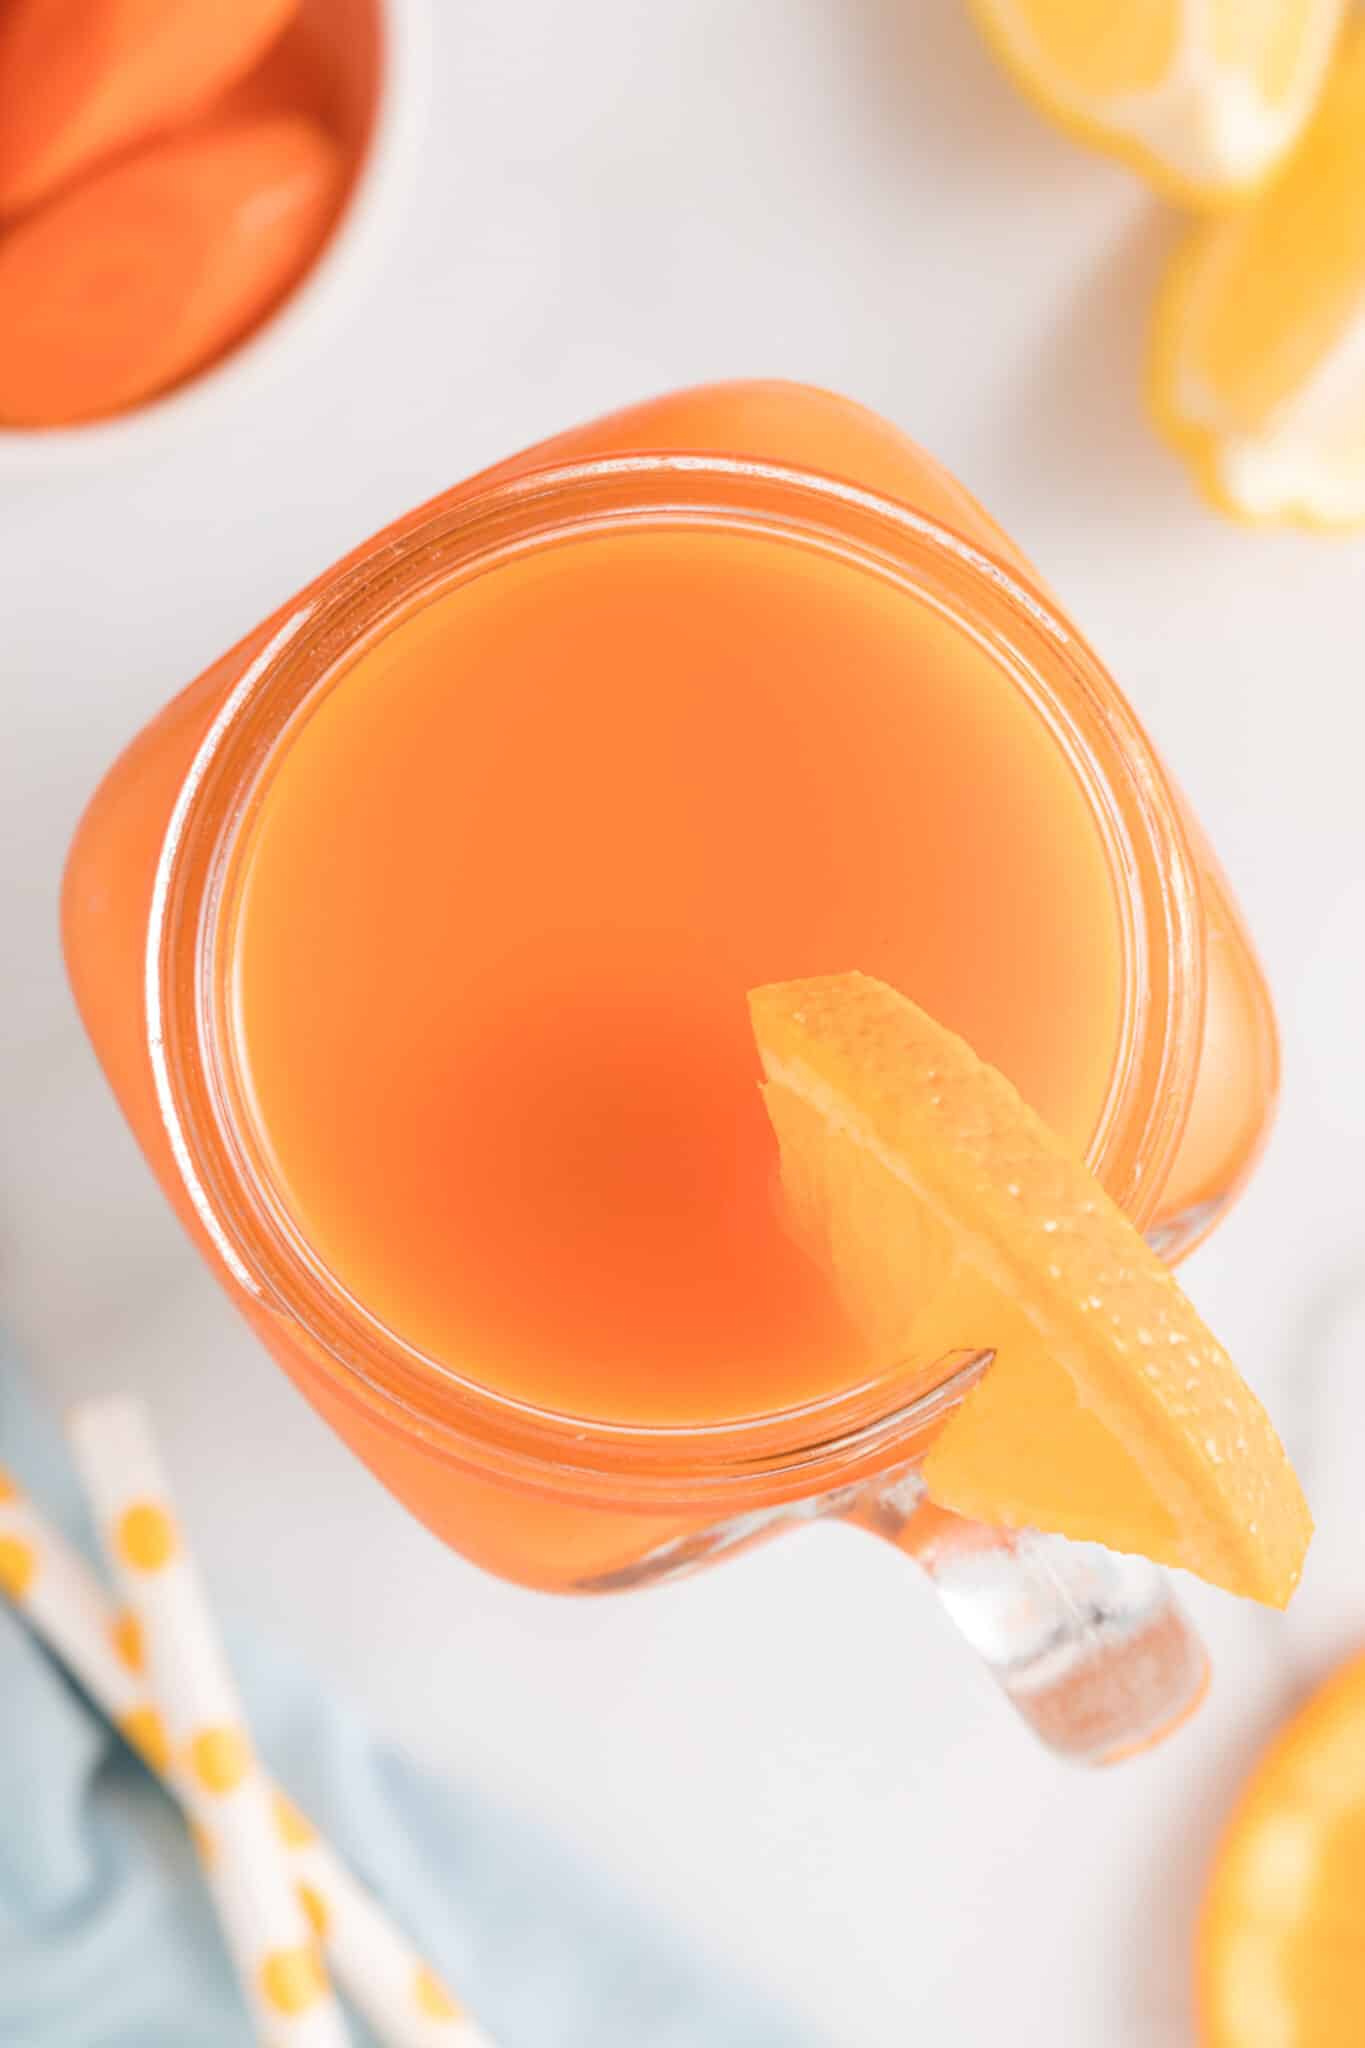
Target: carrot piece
147,271
297,75
80,81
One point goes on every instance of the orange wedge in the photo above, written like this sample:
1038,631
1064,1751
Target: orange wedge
950,1217
1204,97
1257,359
1281,1947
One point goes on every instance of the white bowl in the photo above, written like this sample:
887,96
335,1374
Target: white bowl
372,211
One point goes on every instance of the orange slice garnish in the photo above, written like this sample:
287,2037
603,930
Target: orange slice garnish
951,1218
1281,1949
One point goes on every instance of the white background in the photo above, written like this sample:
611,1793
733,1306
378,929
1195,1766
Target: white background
789,1753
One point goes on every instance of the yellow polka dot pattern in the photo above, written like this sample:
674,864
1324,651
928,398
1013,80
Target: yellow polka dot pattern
205,1846
315,1908
432,1999
219,1758
127,1640
145,1537
8,1489
145,1729
292,1979
18,1566
296,1831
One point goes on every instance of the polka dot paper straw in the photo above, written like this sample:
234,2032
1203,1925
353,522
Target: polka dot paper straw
64,1603
402,1998
221,1784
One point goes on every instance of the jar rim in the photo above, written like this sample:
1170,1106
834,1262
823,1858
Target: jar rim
468,532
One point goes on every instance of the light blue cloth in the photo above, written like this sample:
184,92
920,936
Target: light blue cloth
107,1939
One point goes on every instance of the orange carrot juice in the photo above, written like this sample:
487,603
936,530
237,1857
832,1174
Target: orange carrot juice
504,894
415,938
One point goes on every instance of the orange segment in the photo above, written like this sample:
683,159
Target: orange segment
1281,1948
950,1216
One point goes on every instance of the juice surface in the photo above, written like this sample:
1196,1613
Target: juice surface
501,901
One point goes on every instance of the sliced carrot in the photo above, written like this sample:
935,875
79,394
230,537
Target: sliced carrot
297,75
80,81
149,270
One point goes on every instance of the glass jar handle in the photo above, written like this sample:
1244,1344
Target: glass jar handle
1091,1647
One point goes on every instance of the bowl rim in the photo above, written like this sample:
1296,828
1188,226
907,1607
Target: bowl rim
383,180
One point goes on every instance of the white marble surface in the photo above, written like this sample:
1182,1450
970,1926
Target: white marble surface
789,1753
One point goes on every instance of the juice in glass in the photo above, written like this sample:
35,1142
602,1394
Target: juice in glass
415,939
500,903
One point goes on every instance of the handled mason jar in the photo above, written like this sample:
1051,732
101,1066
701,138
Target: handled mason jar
1090,1647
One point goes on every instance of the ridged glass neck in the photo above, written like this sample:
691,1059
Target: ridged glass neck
467,535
